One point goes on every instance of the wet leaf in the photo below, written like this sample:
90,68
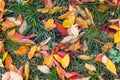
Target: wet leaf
32,51
43,68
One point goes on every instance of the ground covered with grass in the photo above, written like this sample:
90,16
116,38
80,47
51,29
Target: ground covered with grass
60,40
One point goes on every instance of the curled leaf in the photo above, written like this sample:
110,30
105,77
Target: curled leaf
43,68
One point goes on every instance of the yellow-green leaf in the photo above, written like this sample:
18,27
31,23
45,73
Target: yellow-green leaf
4,56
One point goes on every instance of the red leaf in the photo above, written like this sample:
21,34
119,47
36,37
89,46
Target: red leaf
48,3
74,75
62,30
107,29
10,0
30,36
61,54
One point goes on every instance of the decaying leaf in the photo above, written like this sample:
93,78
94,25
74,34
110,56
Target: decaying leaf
84,57
32,51
22,50
48,61
90,67
43,68
26,71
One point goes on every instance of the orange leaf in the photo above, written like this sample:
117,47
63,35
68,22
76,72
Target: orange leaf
48,3
114,27
32,51
49,24
7,24
48,61
2,49
61,72
11,33
102,8
81,22
27,71
22,50
8,61
99,57
2,5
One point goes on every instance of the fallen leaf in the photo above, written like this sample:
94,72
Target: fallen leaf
45,41
61,28
90,67
55,9
27,70
107,46
61,72
101,1
72,75
43,68
2,10
15,76
74,31
99,57
22,50
6,76
110,66
4,56
63,61
84,57
48,3
102,8
32,52
26,41
2,48
23,27
49,24
81,23
118,46
86,78
116,37
61,54
8,62
69,21
114,27
67,39
1,64
100,78
44,10
11,33
48,61
84,46
65,15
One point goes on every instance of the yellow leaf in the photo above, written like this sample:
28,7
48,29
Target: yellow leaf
22,50
48,61
11,33
44,10
27,71
32,51
49,23
81,22
111,66
114,27
65,61
84,57
65,15
117,37
69,21
54,10
4,56
107,46
101,1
